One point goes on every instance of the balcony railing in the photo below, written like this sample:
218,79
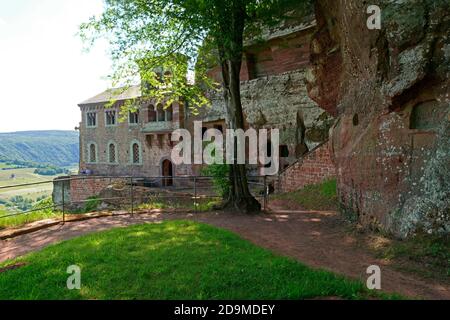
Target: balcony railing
160,126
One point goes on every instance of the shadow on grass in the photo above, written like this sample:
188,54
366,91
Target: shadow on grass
171,260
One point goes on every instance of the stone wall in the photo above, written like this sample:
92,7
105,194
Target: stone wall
61,185
77,189
389,90
274,94
315,167
83,188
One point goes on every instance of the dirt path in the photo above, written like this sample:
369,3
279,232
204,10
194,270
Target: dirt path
316,239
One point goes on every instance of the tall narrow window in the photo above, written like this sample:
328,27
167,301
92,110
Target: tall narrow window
151,113
161,113
110,118
169,113
91,118
112,153
92,153
133,117
136,153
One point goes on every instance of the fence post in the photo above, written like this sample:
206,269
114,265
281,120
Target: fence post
132,196
266,191
195,194
63,201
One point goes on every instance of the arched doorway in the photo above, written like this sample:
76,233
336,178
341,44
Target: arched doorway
167,172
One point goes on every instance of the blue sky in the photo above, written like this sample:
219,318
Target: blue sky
44,72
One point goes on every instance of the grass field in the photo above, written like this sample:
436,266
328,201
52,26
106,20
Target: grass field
172,260
23,176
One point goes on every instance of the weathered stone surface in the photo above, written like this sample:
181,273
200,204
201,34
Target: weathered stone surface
315,167
390,91
281,101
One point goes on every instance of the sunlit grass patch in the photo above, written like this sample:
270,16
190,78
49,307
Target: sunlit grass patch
171,260
9,220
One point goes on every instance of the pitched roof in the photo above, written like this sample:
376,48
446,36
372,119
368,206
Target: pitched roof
123,93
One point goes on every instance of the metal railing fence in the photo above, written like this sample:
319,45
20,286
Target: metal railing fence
186,192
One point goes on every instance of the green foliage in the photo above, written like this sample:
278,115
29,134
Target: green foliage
45,210
51,171
329,189
167,260
21,203
45,205
149,37
430,254
220,176
33,149
154,204
91,204
206,206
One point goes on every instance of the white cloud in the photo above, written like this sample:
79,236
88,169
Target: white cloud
2,22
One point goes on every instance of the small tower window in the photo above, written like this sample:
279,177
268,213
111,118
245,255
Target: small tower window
91,119
110,118
133,117
92,153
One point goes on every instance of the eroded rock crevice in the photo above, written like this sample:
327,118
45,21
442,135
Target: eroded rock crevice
389,89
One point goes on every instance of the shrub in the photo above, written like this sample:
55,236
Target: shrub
45,205
221,180
91,204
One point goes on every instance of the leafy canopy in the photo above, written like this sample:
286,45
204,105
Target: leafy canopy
150,37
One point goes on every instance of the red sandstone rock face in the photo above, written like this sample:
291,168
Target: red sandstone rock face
390,90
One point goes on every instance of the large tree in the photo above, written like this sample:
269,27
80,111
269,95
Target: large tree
166,32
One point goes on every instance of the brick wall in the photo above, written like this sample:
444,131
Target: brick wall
313,168
82,189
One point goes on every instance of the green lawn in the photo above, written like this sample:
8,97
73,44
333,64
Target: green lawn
172,260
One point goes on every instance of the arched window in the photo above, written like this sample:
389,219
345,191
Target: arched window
92,153
169,113
136,153
151,113
161,113
112,153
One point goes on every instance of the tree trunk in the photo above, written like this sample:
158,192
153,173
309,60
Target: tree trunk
240,197
232,18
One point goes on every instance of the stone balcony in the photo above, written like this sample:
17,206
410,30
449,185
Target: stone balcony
159,126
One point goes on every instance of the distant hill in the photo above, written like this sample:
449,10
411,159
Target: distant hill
60,148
